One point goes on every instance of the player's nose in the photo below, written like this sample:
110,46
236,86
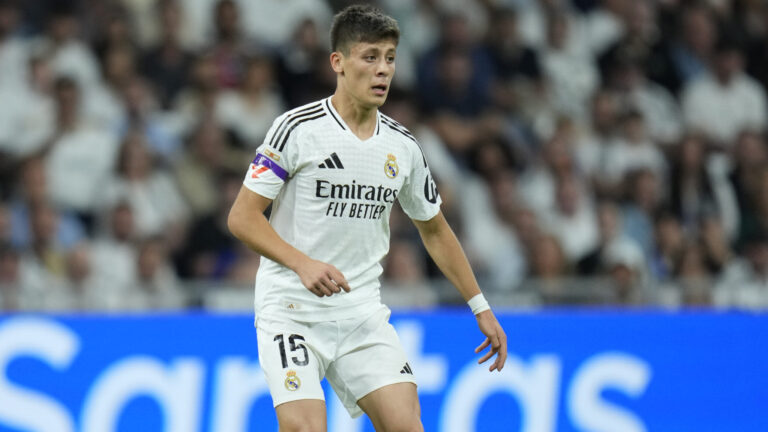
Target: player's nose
383,68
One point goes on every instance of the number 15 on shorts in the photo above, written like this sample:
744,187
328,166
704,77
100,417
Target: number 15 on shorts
298,358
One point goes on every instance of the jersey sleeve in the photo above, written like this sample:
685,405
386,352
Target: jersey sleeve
274,163
419,198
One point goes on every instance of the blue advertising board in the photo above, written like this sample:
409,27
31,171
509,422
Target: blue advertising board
567,371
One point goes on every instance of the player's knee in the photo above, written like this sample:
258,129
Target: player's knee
404,424
302,425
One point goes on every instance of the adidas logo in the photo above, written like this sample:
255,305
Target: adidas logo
406,369
332,162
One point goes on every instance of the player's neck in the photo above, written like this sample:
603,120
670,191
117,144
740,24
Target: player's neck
360,120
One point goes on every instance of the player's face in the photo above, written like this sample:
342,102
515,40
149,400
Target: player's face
366,72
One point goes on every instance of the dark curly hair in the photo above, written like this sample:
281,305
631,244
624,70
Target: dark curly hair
361,23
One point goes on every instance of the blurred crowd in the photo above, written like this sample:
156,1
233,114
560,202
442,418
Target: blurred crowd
602,152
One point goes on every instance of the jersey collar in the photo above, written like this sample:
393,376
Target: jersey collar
336,116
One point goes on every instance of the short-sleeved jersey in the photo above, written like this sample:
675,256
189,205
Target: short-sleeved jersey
333,194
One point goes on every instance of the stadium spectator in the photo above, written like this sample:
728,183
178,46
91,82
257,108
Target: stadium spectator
167,63
272,23
632,150
27,124
549,268
743,284
669,241
113,249
109,26
229,49
13,48
514,63
156,202
80,288
605,24
726,101
658,107
572,218
299,64
197,102
696,191
66,51
643,200
10,278
610,232
208,153
79,157
248,111
43,263
5,224
692,46
626,269
454,76
695,282
571,74
406,284
157,286
594,136
210,251
32,190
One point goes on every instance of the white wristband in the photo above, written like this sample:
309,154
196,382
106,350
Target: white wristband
478,304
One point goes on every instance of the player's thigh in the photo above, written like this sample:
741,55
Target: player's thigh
371,357
307,415
291,365
393,408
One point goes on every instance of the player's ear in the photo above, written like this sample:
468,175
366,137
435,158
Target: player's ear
336,58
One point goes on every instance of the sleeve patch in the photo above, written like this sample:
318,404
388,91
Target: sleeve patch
262,163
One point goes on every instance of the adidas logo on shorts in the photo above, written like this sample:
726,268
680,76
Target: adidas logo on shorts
332,162
406,369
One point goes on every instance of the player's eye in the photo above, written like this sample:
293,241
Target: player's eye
391,59
370,58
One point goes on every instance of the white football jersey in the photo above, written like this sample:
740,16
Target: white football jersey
333,194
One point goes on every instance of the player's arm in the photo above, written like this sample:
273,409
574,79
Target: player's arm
247,222
444,248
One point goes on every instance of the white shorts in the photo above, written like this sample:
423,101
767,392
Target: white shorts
356,355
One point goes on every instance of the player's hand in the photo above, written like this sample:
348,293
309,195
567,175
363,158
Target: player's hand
321,279
495,337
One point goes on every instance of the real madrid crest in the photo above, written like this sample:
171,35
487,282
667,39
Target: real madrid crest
390,167
292,381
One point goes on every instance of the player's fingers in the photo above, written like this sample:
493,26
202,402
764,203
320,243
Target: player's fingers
329,288
340,280
321,289
495,344
315,291
502,353
482,345
485,358
501,358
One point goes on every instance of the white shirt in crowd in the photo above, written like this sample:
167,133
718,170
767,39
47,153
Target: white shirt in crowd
156,202
79,164
249,119
723,111
621,157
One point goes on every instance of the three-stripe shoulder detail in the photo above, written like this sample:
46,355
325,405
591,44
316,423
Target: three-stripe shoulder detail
291,121
394,125
397,127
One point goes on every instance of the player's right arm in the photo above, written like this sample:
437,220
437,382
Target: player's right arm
247,222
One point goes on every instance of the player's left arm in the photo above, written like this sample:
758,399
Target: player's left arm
444,248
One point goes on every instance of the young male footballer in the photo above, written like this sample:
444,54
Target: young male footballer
332,170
